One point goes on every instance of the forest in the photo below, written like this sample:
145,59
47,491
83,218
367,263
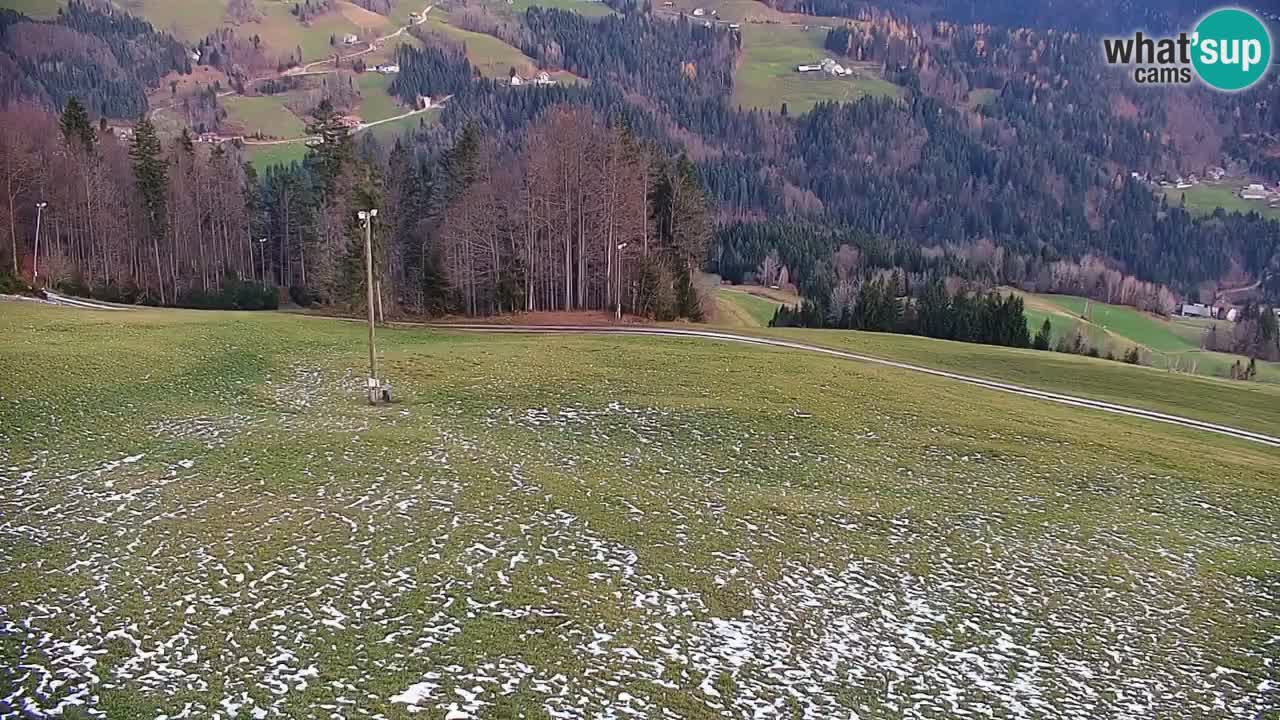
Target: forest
106,60
1031,187
581,215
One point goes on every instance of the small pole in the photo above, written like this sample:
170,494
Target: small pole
35,260
367,217
621,247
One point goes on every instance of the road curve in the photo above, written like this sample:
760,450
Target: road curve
1059,398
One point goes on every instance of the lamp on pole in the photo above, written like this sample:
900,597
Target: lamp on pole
262,250
621,247
366,219
35,260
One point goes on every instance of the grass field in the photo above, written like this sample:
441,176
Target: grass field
376,102
767,76
589,8
264,156
738,308
493,57
38,9
201,515
266,114
1204,198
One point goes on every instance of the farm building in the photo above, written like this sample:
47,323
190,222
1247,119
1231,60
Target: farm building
543,78
1197,310
699,12
516,81
831,67
423,102
808,68
1255,191
350,39
387,69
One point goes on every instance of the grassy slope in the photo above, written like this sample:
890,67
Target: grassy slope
738,308
38,9
1254,406
613,486
1204,198
1172,342
767,75
375,102
493,57
266,114
264,156
582,7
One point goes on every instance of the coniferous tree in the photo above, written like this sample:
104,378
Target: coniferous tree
151,177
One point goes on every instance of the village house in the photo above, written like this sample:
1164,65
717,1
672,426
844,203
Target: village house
350,39
516,81
544,78
1256,191
831,67
1196,310
387,69
423,102
1215,173
699,12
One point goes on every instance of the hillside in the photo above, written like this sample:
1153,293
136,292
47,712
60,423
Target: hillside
1168,343
576,525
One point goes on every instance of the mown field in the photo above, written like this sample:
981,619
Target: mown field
1173,342
767,76
739,308
264,114
199,515
1204,198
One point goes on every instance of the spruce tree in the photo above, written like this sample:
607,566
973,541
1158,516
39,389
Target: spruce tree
151,175
76,126
1043,337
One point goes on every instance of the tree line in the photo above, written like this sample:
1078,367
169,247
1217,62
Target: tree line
580,215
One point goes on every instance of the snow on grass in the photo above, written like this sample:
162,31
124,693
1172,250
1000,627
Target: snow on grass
529,546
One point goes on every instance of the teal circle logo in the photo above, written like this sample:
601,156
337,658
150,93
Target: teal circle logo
1231,49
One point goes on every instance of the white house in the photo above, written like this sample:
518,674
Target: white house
423,102
734,26
1255,191
699,12
195,56
831,67
387,69
808,68
1233,314
516,81
543,78
1197,310
350,39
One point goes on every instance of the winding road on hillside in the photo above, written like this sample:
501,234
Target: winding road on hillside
717,336
306,70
